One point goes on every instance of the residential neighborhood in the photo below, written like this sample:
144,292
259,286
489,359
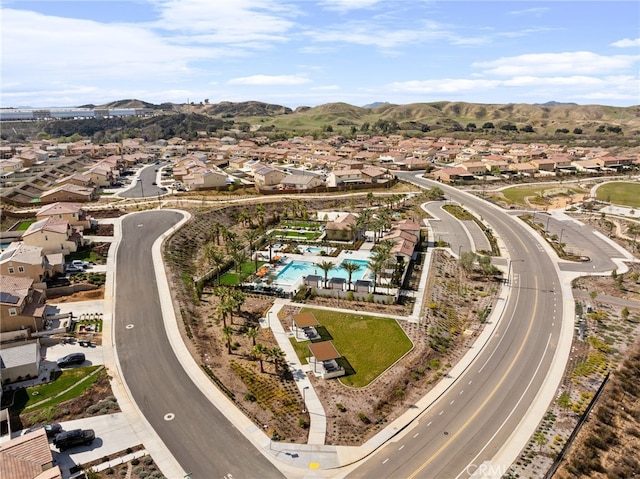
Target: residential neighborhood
47,171
365,255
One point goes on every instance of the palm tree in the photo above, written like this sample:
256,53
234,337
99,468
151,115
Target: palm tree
377,266
224,309
237,298
370,199
364,220
227,332
277,355
216,229
377,225
350,267
227,234
239,256
326,266
384,247
260,215
258,352
251,236
253,334
214,259
243,217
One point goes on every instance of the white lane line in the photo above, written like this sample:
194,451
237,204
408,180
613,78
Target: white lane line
497,347
416,435
460,392
401,448
385,461
440,413
452,402
535,373
470,382
430,423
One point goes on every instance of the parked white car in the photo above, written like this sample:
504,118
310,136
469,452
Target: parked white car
72,268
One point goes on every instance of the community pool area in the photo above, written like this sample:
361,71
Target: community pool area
296,269
319,250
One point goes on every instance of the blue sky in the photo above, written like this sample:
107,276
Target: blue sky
306,52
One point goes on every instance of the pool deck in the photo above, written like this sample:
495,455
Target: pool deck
364,253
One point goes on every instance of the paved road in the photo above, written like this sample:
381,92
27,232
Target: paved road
144,187
473,420
448,228
201,439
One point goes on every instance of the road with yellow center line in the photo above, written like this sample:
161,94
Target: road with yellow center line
475,417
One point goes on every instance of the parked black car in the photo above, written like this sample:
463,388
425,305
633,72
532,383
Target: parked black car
75,437
70,359
53,429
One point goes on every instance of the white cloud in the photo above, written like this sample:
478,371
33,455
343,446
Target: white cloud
317,50
443,85
227,22
557,63
369,33
615,87
530,11
573,81
627,42
347,5
270,80
64,49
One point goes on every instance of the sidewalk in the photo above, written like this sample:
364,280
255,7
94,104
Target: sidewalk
317,416
294,460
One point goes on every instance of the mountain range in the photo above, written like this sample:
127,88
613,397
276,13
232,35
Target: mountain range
443,114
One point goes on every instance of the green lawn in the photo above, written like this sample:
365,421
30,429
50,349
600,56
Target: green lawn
368,344
88,256
301,348
67,379
24,225
302,224
231,278
310,235
517,194
620,193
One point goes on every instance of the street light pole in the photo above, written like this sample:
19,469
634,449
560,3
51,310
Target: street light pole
560,240
304,399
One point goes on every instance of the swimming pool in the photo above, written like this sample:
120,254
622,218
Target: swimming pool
293,271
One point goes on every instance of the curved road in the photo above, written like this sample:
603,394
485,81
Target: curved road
467,426
475,418
200,438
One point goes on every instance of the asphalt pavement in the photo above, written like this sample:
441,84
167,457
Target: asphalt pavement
161,378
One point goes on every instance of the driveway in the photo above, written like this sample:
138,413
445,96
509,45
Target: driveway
113,434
